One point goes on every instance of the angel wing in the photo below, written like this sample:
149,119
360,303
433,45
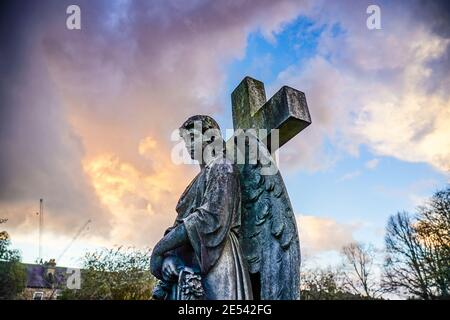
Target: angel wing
269,236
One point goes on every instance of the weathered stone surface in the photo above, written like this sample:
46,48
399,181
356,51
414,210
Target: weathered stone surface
269,235
203,243
235,236
287,110
269,231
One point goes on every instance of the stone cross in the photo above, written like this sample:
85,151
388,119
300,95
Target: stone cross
286,111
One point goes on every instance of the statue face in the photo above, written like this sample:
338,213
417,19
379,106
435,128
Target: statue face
194,143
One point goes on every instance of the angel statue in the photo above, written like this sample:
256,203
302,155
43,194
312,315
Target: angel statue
269,234
200,256
235,236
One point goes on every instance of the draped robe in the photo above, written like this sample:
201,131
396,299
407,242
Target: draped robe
209,208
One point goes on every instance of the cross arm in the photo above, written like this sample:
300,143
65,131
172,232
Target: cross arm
286,111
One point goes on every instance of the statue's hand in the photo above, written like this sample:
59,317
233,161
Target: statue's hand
174,239
170,268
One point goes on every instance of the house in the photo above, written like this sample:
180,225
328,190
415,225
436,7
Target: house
44,281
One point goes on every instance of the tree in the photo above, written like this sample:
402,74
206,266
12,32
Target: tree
405,271
114,274
3,234
417,259
359,274
433,228
12,273
324,284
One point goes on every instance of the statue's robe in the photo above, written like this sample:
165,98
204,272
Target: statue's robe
209,208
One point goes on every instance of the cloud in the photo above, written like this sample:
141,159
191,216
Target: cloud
416,193
372,164
350,175
137,200
86,116
384,89
40,151
320,234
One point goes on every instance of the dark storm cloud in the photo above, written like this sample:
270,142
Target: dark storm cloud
37,146
436,16
139,68
70,95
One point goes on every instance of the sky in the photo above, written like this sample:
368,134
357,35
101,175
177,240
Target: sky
86,115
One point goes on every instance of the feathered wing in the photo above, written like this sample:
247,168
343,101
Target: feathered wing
269,232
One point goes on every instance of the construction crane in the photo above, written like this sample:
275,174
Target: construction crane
41,232
75,237
41,226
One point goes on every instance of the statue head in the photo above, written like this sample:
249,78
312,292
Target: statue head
198,132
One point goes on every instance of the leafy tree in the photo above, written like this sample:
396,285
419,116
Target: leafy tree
418,250
114,274
12,273
3,234
320,284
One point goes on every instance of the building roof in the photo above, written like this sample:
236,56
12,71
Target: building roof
37,276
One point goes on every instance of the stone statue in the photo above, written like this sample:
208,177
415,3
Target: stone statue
269,231
235,236
200,257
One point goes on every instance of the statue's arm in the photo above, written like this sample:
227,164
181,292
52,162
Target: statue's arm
174,239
